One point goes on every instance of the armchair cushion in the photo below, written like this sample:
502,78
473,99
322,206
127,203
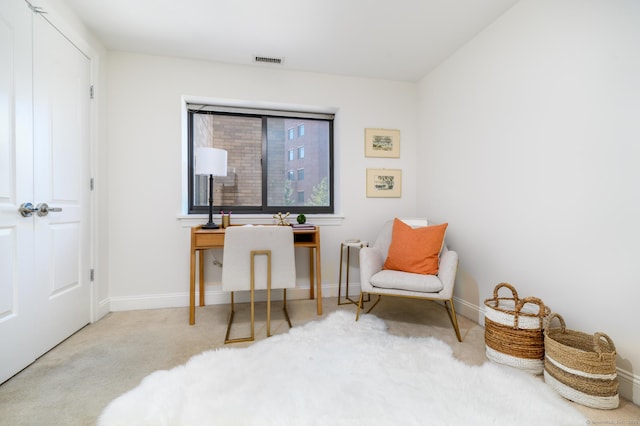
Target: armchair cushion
406,281
415,250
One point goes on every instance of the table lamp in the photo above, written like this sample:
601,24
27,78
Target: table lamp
212,162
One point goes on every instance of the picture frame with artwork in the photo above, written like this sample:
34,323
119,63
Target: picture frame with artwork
382,143
384,183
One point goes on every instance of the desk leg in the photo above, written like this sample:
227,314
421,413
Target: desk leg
192,289
311,274
201,276
318,280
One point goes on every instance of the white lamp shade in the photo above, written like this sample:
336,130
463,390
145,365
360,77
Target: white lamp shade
211,161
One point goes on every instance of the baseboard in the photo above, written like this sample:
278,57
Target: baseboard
629,386
469,310
103,308
213,296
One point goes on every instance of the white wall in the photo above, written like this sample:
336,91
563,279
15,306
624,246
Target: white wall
530,137
148,252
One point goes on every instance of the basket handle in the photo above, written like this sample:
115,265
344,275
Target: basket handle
507,285
597,341
563,325
534,301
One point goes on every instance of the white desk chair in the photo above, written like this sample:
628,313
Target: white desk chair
258,258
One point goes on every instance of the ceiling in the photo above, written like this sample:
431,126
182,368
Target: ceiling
395,40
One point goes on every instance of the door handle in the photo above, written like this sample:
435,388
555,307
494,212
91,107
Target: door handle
27,209
43,209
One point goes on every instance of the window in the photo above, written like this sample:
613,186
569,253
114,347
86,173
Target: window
300,130
264,174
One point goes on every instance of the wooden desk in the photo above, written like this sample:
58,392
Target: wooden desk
203,239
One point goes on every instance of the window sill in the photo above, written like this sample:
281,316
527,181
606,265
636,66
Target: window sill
188,221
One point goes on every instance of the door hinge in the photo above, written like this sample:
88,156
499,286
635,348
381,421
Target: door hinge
91,184
91,275
91,92
36,9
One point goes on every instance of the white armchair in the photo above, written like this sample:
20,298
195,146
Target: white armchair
386,282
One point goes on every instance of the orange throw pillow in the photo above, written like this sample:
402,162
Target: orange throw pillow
415,250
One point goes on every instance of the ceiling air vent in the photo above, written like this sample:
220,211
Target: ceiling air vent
268,60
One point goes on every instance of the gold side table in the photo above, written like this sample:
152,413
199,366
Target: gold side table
348,245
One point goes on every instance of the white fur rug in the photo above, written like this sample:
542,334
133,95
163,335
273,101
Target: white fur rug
339,372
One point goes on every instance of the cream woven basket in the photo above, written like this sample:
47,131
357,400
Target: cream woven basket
514,330
581,367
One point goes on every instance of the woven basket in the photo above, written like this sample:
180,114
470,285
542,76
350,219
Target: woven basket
581,367
514,330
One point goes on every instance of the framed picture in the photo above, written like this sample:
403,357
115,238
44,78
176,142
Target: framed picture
382,143
384,183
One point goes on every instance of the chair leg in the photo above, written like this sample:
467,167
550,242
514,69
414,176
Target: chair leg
255,253
230,319
361,302
284,309
453,318
359,305
376,302
268,254
251,337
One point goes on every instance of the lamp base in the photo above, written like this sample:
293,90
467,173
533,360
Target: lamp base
210,225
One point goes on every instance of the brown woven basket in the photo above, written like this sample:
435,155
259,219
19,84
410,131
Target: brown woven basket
580,366
514,335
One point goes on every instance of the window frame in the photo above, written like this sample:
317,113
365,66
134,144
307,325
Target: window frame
264,114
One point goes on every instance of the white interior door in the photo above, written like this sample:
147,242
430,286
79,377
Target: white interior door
44,158
16,187
61,180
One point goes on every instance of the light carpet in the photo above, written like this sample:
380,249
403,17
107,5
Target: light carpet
339,372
